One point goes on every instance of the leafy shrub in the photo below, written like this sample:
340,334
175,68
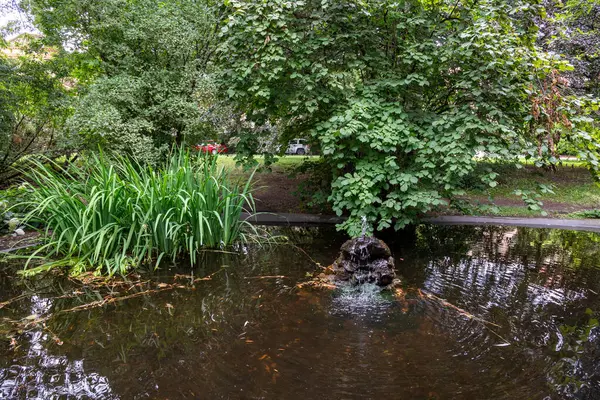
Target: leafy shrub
532,197
115,215
4,216
34,106
477,178
592,214
316,189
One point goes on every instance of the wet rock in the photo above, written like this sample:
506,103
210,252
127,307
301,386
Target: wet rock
365,260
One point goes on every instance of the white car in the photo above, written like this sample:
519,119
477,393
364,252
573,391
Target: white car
298,146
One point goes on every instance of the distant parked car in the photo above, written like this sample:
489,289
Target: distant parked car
212,147
298,146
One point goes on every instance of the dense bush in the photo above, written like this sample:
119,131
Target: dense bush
5,217
398,96
34,104
113,215
152,71
592,214
499,170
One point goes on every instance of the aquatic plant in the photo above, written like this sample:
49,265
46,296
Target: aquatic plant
111,214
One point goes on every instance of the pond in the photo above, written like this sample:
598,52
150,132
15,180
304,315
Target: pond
483,313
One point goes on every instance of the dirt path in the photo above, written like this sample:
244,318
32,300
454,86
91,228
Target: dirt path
278,193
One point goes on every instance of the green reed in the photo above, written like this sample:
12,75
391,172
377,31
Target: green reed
112,215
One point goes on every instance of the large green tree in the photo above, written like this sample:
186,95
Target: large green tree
143,68
401,95
34,104
572,29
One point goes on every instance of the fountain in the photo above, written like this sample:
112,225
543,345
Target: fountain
365,259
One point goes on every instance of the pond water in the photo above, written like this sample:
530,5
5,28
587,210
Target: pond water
484,313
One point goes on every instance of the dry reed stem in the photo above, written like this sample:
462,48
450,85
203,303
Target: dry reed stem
266,277
460,310
7,302
108,299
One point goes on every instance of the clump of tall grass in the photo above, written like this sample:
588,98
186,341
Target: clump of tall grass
112,214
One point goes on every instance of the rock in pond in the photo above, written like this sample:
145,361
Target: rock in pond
365,260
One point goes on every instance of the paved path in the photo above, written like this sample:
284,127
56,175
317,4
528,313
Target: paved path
592,225
292,219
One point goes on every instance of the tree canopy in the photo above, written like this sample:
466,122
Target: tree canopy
34,104
401,95
147,62
572,29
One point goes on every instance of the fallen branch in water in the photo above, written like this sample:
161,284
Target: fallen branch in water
460,310
316,283
161,288
27,322
111,300
108,299
7,302
306,254
205,278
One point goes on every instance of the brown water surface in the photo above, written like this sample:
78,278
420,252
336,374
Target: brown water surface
487,313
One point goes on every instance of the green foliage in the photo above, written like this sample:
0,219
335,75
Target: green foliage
572,30
113,215
5,217
315,190
144,69
400,95
33,105
592,214
532,197
12,211
110,116
498,170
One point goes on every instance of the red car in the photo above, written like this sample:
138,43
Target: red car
212,147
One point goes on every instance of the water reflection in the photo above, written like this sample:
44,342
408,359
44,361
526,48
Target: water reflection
534,283
487,312
38,374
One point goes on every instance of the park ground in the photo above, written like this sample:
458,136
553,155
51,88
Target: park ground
575,194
